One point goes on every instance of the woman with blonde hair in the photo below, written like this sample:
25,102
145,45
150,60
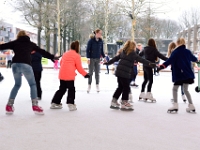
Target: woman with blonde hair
182,73
171,47
125,73
21,64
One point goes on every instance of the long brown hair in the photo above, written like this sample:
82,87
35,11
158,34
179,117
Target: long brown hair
75,46
152,43
129,46
21,33
171,47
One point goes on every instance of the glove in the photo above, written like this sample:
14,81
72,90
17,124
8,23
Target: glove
160,68
57,57
105,63
87,76
152,65
52,60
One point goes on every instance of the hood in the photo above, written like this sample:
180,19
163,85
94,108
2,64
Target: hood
92,36
149,49
24,39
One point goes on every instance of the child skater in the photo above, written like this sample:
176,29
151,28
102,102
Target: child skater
171,47
70,62
182,73
125,73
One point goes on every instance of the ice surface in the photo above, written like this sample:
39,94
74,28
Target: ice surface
94,126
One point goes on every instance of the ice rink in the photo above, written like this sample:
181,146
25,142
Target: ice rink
94,126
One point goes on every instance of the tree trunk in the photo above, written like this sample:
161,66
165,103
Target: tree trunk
133,21
39,36
58,22
106,25
64,39
39,26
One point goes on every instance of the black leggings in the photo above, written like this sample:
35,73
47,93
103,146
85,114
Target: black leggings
148,77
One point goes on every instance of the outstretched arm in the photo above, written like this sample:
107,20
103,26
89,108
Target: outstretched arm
114,59
8,45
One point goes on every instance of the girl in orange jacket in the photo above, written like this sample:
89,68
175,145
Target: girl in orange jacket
71,61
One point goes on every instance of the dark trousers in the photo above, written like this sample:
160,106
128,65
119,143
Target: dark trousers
38,75
107,68
9,63
123,88
148,77
64,85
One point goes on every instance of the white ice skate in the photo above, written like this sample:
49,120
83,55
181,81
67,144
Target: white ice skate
190,108
142,95
97,86
114,104
126,106
184,98
149,96
130,98
174,108
89,88
72,107
56,106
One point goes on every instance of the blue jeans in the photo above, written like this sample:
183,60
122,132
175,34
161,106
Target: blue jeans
18,69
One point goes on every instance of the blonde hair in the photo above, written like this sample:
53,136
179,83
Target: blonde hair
171,47
180,41
129,46
21,33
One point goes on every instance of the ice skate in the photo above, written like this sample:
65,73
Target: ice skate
126,106
1,78
37,109
89,88
184,98
114,104
149,96
130,98
56,106
174,108
134,85
142,95
97,86
72,107
9,109
191,108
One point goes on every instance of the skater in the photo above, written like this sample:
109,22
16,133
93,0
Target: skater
1,77
125,73
56,63
70,62
171,47
150,53
135,69
182,73
107,59
156,71
94,52
36,61
22,48
9,57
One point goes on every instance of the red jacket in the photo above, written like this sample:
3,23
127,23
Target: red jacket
70,62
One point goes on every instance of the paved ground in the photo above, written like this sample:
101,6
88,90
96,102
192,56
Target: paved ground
95,126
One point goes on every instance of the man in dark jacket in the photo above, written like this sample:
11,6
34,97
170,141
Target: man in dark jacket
1,77
94,52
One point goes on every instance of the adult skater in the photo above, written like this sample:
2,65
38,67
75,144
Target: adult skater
150,53
125,73
9,57
94,52
171,48
70,62
36,62
182,73
21,64
1,77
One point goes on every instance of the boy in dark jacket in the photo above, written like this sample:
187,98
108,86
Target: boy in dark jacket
125,73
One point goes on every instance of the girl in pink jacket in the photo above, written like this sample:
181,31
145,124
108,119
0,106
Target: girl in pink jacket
70,62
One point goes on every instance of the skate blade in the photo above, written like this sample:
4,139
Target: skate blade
55,107
192,111
39,113
147,100
112,107
9,113
73,110
184,101
124,109
175,111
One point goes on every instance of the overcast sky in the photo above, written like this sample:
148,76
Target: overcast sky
175,7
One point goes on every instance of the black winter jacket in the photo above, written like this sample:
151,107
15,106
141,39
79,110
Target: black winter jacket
22,48
36,59
125,66
151,54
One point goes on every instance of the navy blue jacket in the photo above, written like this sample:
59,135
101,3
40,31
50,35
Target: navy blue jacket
95,48
180,60
36,63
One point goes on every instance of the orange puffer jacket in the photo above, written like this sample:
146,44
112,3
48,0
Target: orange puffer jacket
70,62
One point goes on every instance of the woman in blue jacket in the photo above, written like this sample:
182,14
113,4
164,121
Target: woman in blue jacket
182,73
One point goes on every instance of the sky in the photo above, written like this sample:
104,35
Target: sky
174,7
